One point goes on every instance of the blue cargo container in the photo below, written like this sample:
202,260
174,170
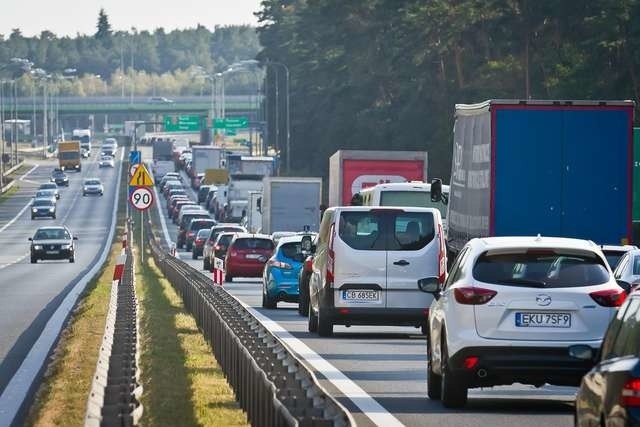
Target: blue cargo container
522,168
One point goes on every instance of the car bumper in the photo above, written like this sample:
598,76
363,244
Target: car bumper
60,254
197,250
61,182
381,316
92,191
238,269
528,365
46,214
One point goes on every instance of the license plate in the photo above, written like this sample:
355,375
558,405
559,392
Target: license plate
361,296
253,256
543,320
53,252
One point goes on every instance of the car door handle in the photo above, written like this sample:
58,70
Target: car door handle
401,262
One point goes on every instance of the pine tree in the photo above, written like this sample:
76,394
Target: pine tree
104,27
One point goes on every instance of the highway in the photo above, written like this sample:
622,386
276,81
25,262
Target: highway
379,373
31,293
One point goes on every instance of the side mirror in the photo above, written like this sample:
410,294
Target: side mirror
624,285
436,190
75,237
429,285
30,239
306,243
582,352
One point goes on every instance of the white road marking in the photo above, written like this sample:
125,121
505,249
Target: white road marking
368,405
28,172
16,261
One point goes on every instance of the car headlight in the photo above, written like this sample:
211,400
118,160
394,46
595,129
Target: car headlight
37,247
51,209
34,210
68,246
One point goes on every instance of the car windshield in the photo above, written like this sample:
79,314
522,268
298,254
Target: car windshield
225,239
203,233
253,243
42,202
216,231
51,233
92,182
293,251
199,225
58,174
613,258
45,193
418,199
541,268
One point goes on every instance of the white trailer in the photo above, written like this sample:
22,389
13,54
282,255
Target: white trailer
291,204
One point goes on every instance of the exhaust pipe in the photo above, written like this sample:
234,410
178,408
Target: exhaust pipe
482,373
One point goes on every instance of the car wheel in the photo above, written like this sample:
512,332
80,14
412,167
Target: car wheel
424,328
189,247
54,216
33,217
434,381
303,299
228,278
267,301
205,263
84,194
72,258
325,326
194,255
34,260
313,320
453,391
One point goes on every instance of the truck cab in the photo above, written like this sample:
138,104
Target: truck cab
69,155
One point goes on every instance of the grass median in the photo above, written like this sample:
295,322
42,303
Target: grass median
62,397
183,384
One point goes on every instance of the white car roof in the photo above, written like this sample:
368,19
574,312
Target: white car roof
252,235
294,239
620,248
536,241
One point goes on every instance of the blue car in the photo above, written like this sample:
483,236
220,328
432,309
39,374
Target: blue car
280,275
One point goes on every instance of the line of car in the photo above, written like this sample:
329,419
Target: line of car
530,310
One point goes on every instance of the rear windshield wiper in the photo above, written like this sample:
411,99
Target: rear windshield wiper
530,282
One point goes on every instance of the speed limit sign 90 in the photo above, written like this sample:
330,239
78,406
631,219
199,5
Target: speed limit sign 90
141,198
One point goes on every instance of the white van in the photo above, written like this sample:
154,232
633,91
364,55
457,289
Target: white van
409,194
369,266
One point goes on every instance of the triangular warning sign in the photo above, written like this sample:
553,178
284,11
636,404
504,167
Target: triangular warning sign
141,177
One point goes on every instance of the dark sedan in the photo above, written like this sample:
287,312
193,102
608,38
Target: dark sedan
60,178
610,393
53,243
43,208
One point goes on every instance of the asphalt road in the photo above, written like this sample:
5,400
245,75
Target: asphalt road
389,364
30,293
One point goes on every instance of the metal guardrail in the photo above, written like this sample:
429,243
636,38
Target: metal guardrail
272,385
114,398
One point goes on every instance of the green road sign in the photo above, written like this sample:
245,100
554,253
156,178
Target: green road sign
181,123
231,123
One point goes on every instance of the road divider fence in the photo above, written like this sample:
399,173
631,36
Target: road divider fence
272,385
114,397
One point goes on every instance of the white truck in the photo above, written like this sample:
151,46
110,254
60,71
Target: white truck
84,136
253,219
238,195
290,204
206,157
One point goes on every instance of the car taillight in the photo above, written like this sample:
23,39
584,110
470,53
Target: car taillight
280,264
308,264
609,297
442,257
473,296
331,262
631,393
199,241
217,247
191,233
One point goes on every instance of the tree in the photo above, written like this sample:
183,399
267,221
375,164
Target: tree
104,27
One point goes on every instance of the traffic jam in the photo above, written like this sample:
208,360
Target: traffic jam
529,280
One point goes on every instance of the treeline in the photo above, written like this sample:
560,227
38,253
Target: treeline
153,63
386,74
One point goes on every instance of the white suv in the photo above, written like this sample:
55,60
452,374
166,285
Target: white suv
513,309
369,264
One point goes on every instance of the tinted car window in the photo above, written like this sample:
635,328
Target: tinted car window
186,219
636,265
203,233
225,239
361,230
42,202
215,232
613,258
250,243
630,331
293,251
199,225
543,269
412,231
51,234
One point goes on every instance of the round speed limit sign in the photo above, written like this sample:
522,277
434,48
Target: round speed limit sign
141,198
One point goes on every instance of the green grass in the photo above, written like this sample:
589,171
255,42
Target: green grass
62,397
10,192
183,383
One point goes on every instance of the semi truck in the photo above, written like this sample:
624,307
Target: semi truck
206,157
163,149
351,171
69,155
290,204
251,165
551,168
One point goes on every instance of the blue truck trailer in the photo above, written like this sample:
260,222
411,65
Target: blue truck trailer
555,168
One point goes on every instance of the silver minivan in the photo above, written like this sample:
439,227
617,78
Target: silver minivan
370,265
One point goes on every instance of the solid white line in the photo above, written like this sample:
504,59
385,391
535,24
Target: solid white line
19,386
28,172
165,230
368,405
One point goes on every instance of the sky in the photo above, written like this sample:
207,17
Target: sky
68,17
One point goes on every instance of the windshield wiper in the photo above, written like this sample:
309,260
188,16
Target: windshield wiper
531,282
